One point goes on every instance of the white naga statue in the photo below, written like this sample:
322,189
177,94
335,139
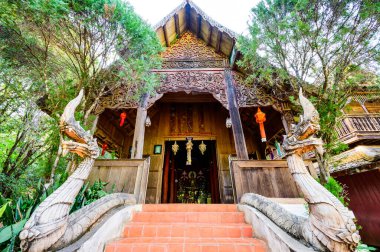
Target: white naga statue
330,225
50,227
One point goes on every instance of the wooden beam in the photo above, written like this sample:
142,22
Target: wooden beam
187,16
233,55
209,35
199,25
237,128
167,42
218,42
138,136
176,23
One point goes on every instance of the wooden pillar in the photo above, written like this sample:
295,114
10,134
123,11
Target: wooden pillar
138,136
166,176
237,128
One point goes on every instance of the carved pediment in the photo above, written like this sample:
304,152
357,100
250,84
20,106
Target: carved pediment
190,52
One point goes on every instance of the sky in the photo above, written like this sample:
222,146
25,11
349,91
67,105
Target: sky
231,14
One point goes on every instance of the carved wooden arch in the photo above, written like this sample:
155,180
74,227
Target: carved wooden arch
200,81
191,80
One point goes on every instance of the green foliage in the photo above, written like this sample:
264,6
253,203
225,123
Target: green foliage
337,189
318,45
15,213
88,195
365,248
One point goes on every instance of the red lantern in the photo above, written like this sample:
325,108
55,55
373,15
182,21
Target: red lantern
122,118
104,148
260,119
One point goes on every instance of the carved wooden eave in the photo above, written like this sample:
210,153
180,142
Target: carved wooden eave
189,17
355,159
198,51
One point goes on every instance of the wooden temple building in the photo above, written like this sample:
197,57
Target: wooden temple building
201,97
196,138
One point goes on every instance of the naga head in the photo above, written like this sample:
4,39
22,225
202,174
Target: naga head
84,144
300,138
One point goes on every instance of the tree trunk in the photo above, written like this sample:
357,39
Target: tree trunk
54,167
324,173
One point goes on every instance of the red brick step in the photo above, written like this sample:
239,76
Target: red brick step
187,227
187,230
187,244
189,208
191,217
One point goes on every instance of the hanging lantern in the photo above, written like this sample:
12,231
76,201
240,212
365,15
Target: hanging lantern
148,122
175,148
104,148
228,122
260,119
123,115
202,148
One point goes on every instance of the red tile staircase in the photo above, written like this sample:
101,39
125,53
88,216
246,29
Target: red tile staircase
187,227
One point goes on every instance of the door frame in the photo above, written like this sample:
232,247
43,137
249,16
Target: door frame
196,137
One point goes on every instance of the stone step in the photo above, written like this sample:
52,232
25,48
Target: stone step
189,217
187,230
187,244
189,208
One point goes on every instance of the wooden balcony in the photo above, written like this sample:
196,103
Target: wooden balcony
354,128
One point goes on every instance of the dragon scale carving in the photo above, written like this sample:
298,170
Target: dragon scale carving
330,225
50,221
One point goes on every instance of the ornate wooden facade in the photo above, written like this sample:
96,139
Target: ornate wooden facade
200,88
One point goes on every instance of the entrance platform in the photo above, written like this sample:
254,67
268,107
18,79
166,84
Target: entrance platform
188,227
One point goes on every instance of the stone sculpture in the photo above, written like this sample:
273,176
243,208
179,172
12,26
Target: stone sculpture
50,226
330,225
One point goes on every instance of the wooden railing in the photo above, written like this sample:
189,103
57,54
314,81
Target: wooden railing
353,128
270,178
125,175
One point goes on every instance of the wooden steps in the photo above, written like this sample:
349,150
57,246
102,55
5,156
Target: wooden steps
185,227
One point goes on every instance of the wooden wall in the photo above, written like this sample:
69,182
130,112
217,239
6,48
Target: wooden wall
202,121
270,178
364,194
129,176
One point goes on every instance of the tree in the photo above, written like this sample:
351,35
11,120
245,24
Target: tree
323,46
67,45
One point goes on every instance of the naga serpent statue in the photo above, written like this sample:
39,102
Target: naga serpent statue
330,225
50,227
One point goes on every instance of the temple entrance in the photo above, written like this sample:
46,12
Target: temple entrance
195,183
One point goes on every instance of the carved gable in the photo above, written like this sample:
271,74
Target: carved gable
190,52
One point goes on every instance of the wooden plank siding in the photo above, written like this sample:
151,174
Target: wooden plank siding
200,120
129,176
364,194
270,178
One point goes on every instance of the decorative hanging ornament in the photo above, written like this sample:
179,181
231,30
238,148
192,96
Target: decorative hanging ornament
189,147
175,148
123,115
148,122
202,148
228,122
104,148
278,148
260,119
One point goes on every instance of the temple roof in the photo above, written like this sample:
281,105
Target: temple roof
189,17
359,157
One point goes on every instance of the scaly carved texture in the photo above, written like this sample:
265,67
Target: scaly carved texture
80,221
49,221
330,226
